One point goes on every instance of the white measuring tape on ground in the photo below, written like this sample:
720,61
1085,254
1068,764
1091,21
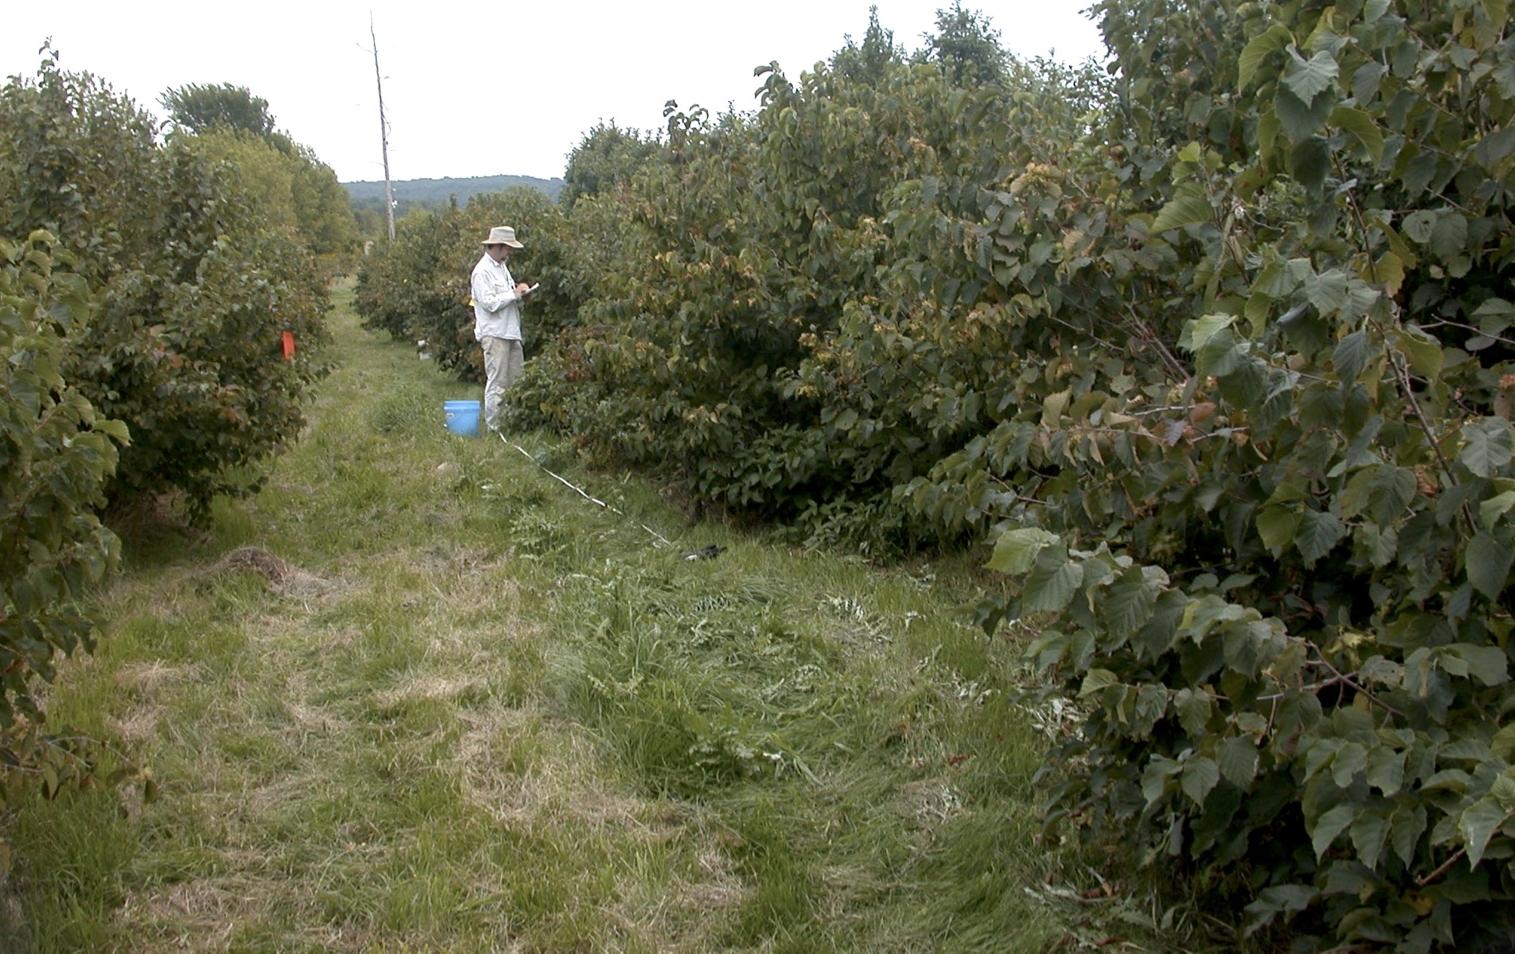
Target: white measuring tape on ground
662,540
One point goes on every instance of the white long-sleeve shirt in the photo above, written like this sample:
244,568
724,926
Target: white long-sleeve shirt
496,306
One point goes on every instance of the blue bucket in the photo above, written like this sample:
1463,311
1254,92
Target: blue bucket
461,417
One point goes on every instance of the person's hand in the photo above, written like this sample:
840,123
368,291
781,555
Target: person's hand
521,289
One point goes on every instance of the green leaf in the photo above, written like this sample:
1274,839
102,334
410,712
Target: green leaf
1488,444
1382,672
1367,79
1449,780
1151,705
1360,299
1503,790
116,429
1327,291
1369,833
1016,550
1477,824
1155,778
1193,152
1097,680
1278,899
1309,78
1496,147
1319,532
1503,745
1188,207
1361,127
1197,333
1449,237
1386,770
1310,163
1259,48
1252,723
1329,825
1300,120
1383,491
1347,877
1193,707
1488,664
1268,127
1128,603
1238,761
1277,525
1053,407
1350,356
1418,226
1051,583
1200,777
1350,761
1408,827
1495,507
1389,272
1249,646
1417,175
1495,314
1422,351
1376,545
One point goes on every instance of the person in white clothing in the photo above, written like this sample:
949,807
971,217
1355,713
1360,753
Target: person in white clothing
497,318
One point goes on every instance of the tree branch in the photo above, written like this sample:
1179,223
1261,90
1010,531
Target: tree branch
1443,868
1344,679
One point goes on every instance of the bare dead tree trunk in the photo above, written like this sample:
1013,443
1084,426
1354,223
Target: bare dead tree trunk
389,196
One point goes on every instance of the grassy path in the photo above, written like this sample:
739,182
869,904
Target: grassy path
415,696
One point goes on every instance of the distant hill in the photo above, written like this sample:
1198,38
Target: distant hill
436,192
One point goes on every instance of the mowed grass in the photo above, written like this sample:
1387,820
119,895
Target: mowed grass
418,696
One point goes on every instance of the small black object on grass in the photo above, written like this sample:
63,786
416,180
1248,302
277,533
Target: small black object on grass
705,553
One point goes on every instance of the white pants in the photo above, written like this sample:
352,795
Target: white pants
502,365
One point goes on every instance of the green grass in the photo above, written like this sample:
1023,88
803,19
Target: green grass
418,696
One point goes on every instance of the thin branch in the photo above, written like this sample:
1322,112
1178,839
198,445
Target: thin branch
1457,856
1085,332
1158,410
1362,225
1403,377
1150,336
1443,868
1445,323
1312,687
1348,680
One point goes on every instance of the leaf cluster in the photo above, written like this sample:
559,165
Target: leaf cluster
1274,565
57,454
741,336
202,107
194,286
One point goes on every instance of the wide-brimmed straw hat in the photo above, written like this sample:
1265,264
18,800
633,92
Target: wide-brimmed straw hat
502,235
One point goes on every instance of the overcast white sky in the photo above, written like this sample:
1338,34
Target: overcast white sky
482,88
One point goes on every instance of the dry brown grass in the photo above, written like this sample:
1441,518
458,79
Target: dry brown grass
564,783
138,725
564,777
146,679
